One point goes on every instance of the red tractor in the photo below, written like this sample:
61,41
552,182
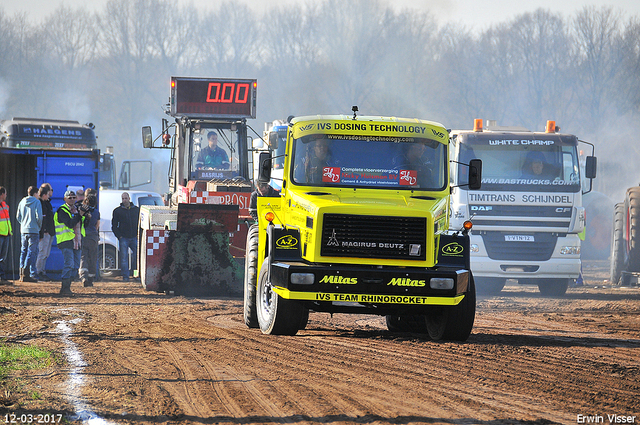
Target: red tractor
194,244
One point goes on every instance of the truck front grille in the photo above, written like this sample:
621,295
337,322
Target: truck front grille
498,248
345,235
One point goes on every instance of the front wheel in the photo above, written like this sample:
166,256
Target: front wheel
108,261
250,313
453,322
276,315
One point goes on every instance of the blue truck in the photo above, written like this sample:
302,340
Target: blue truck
59,152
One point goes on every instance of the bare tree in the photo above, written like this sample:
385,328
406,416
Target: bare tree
353,52
228,41
597,36
542,67
72,36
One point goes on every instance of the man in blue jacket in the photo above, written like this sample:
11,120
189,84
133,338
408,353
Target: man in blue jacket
29,215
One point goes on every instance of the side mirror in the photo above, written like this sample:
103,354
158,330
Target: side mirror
590,167
264,167
147,137
273,140
475,174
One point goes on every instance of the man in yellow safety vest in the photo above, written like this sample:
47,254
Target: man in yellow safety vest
5,233
65,220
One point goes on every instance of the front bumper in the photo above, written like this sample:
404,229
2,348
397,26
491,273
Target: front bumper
368,286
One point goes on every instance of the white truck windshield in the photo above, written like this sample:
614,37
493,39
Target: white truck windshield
377,162
539,168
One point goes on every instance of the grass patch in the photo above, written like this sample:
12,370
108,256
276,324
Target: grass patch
22,357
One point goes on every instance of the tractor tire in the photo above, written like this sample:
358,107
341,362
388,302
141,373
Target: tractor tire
553,287
632,229
617,244
250,311
456,322
276,315
490,285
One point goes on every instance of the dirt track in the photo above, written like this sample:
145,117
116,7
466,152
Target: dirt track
130,356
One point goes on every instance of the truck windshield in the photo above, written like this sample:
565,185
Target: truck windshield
369,161
550,168
214,153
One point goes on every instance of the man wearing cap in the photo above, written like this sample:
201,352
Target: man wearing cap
65,220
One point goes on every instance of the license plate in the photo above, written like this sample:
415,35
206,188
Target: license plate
519,238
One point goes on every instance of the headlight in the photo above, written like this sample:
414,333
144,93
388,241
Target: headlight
302,278
441,283
570,250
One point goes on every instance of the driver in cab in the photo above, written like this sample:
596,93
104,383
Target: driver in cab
213,156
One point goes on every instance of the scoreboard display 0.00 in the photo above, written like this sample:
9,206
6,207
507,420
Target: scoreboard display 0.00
213,97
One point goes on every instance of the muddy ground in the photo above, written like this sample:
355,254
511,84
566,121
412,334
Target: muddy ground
128,356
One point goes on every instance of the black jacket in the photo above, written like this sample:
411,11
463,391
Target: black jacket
48,225
124,222
253,201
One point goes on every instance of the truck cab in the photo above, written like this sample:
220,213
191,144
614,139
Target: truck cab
529,214
360,226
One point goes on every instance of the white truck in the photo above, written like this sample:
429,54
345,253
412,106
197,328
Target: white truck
528,217
108,247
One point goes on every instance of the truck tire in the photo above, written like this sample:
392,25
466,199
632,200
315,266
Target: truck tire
108,261
456,322
413,323
305,319
250,312
553,287
632,229
490,285
617,244
276,315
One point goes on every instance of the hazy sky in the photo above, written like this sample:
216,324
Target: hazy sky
476,14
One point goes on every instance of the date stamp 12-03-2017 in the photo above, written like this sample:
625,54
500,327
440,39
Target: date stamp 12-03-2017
31,418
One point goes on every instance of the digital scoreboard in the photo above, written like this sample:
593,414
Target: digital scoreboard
213,97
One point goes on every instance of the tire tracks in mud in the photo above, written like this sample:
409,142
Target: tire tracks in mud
522,362
384,365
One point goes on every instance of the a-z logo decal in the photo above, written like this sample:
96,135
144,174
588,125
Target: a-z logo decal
453,248
287,242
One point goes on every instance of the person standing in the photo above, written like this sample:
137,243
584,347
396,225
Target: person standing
77,241
29,216
89,256
262,189
5,234
124,225
65,219
47,232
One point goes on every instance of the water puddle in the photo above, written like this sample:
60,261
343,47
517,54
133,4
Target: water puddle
77,378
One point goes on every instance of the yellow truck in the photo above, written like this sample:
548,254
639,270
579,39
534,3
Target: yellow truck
360,226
